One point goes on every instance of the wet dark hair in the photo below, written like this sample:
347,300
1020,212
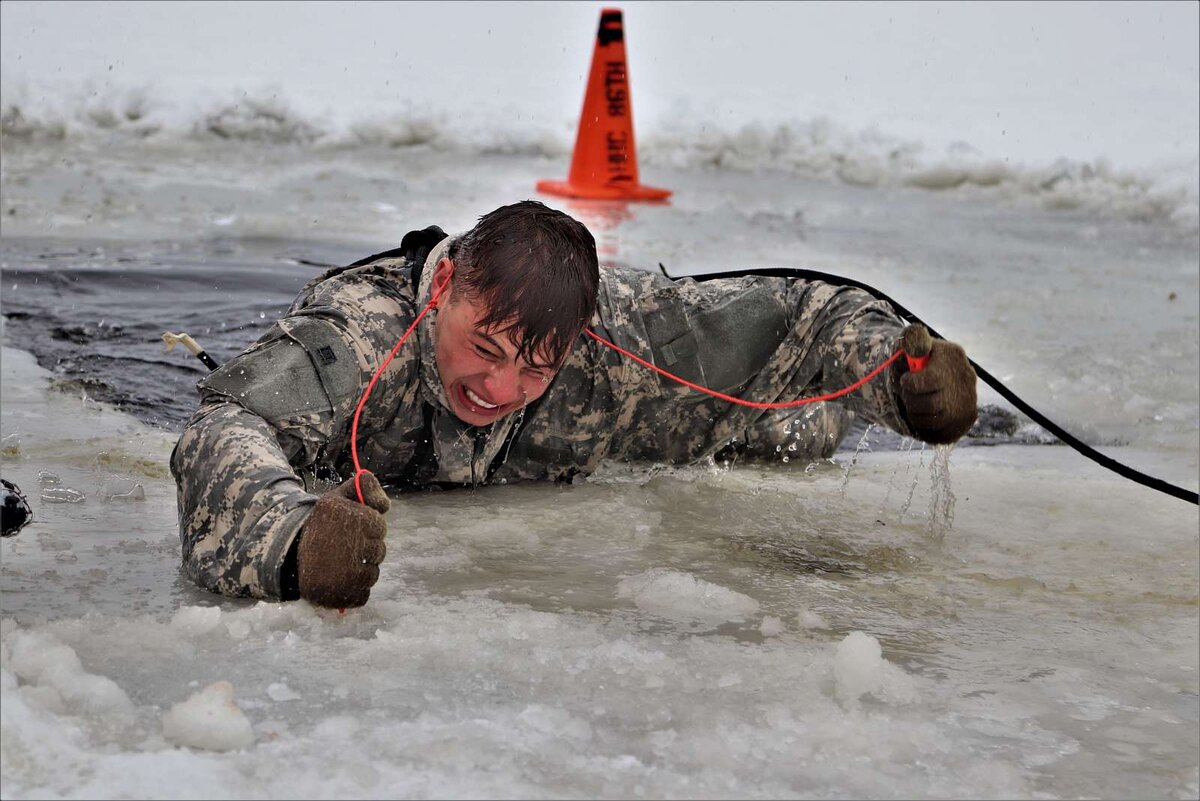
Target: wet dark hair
535,271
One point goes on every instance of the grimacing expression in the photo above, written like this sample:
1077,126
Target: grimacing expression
482,371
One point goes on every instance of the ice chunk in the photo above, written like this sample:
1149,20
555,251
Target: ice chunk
196,620
681,596
238,629
43,660
858,666
809,619
860,669
210,720
548,720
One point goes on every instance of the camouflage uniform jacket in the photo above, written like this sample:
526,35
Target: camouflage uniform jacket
276,419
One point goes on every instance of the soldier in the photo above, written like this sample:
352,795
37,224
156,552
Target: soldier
499,383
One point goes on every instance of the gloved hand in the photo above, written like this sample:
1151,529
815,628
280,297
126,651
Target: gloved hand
341,545
939,401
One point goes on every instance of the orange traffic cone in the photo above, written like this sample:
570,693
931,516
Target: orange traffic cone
604,164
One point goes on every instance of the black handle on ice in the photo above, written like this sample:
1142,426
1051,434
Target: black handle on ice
1123,470
209,361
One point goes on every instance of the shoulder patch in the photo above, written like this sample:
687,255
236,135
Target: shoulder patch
331,355
276,381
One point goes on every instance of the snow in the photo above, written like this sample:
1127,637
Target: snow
860,669
771,626
1078,106
210,720
1025,176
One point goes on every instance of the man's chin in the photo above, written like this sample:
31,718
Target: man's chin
476,419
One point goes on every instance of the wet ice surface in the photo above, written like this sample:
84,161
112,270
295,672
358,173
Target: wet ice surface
678,632
743,630
718,631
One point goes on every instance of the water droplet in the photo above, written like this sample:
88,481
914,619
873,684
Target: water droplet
62,495
942,498
121,491
862,443
46,478
912,489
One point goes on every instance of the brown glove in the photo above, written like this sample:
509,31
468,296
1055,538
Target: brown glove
341,545
939,401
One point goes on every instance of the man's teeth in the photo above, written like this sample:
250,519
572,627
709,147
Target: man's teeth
478,401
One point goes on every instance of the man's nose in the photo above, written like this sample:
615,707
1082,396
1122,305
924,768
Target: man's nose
503,384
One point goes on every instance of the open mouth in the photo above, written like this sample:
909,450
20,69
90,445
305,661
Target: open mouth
480,402
477,410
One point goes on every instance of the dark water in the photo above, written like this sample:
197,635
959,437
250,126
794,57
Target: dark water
94,313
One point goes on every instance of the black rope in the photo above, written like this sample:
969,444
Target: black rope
1119,468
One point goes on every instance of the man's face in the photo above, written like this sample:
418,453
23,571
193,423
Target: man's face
481,371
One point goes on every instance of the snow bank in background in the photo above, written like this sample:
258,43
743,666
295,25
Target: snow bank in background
92,115
95,118
872,159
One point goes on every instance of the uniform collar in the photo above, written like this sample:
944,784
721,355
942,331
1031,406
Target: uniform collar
431,382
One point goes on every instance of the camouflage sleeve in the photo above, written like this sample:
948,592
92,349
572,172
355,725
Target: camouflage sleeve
240,503
768,340
283,405
837,336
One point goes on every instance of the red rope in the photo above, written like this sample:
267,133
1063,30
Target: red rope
358,470
752,404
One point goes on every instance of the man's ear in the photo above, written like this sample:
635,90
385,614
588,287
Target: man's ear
443,273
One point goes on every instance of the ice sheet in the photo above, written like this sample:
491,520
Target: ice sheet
536,640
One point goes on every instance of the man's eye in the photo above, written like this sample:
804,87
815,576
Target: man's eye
484,352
